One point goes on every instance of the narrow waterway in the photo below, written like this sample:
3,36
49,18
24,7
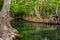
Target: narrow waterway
36,31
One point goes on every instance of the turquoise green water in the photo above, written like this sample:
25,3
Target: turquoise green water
35,31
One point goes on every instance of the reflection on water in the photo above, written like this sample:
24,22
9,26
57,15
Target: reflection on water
35,31
45,38
0,38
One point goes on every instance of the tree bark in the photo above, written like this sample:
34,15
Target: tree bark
6,30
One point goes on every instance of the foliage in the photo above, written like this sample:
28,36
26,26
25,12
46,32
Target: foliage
49,7
45,7
19,6
1,4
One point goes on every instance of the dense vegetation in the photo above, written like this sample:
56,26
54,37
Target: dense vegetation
45,7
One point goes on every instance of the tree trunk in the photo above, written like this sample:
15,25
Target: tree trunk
6,30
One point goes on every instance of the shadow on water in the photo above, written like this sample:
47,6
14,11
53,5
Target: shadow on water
34,31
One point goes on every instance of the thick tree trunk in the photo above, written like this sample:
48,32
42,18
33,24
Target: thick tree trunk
6,30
